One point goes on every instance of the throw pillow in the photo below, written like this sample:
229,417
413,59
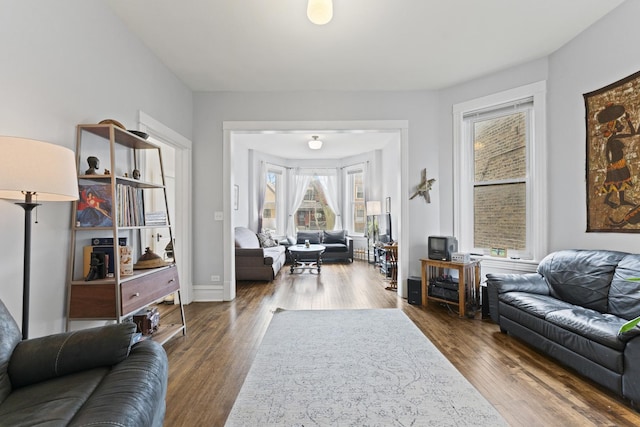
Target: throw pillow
266,241
334,236
312,236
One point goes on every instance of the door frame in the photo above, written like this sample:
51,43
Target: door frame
183,198
229,127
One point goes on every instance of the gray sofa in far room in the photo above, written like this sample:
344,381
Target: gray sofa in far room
579,309
338,246
92,377
254,262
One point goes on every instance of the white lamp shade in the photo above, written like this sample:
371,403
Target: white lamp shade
374,207
320,12
27,165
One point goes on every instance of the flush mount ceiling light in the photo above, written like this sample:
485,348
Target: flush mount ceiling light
315,143
320,12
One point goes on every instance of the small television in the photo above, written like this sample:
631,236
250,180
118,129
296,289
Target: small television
441,247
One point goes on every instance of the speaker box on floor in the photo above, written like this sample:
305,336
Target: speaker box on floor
414,285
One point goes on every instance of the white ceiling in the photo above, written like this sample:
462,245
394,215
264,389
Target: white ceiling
335,144
270,45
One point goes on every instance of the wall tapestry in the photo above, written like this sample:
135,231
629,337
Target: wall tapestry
613,157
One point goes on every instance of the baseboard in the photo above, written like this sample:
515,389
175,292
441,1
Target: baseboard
205,293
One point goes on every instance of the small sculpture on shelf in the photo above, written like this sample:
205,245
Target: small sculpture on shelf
94,164
136,174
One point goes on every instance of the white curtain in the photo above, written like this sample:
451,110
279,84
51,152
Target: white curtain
262,190
299,184
329,184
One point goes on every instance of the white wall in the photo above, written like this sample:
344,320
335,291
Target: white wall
211,109
67,62
603,54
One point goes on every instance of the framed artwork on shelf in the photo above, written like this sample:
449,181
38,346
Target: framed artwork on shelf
95,206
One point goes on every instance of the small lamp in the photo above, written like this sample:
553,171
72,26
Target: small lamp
35,171
320,12
374,208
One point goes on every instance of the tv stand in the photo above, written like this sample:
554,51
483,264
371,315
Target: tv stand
468,286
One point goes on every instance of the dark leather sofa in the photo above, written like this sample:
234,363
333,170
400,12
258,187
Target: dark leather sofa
92,377
338,246
573,309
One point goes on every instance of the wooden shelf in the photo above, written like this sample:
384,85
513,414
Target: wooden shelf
121,136
119,297
468,281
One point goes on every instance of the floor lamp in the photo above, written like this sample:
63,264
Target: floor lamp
30,172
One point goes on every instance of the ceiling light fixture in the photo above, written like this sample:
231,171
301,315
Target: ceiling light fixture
315,143
320,12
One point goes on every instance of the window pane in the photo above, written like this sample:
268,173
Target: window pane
357,202
314,213
269,211
500,148
500,216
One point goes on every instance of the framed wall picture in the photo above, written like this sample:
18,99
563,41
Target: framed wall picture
387,205
236,190
613,165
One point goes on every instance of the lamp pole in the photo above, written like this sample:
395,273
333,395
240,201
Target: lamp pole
28,206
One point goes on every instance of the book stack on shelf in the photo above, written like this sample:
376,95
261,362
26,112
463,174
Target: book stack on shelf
130,206
155,218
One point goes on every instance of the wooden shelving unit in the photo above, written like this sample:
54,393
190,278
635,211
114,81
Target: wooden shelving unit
121,215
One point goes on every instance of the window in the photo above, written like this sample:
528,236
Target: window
354,194
499,159
273,211
315,213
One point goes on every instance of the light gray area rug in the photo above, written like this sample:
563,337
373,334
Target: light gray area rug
355,368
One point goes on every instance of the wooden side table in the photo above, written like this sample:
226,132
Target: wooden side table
468,281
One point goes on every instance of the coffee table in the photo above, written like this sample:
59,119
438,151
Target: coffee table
306,258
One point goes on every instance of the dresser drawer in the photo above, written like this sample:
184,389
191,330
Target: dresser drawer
142,291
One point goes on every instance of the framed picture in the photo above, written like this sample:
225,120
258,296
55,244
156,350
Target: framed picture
387,205
94,206
612,116
236,190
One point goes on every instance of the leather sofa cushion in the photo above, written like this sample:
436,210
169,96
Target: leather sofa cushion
624,294
55,401
338,236
312,236
335,247
535,304
546,336
40,359
581,277
596,326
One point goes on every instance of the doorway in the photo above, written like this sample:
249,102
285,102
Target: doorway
230,129
176,158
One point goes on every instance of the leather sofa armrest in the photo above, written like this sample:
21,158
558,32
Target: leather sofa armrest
533,283
39,359
252,252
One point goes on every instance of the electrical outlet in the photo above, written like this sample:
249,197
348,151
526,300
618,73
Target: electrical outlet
218,216
215,278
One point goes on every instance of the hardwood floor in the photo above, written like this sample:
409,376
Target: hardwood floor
208,366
